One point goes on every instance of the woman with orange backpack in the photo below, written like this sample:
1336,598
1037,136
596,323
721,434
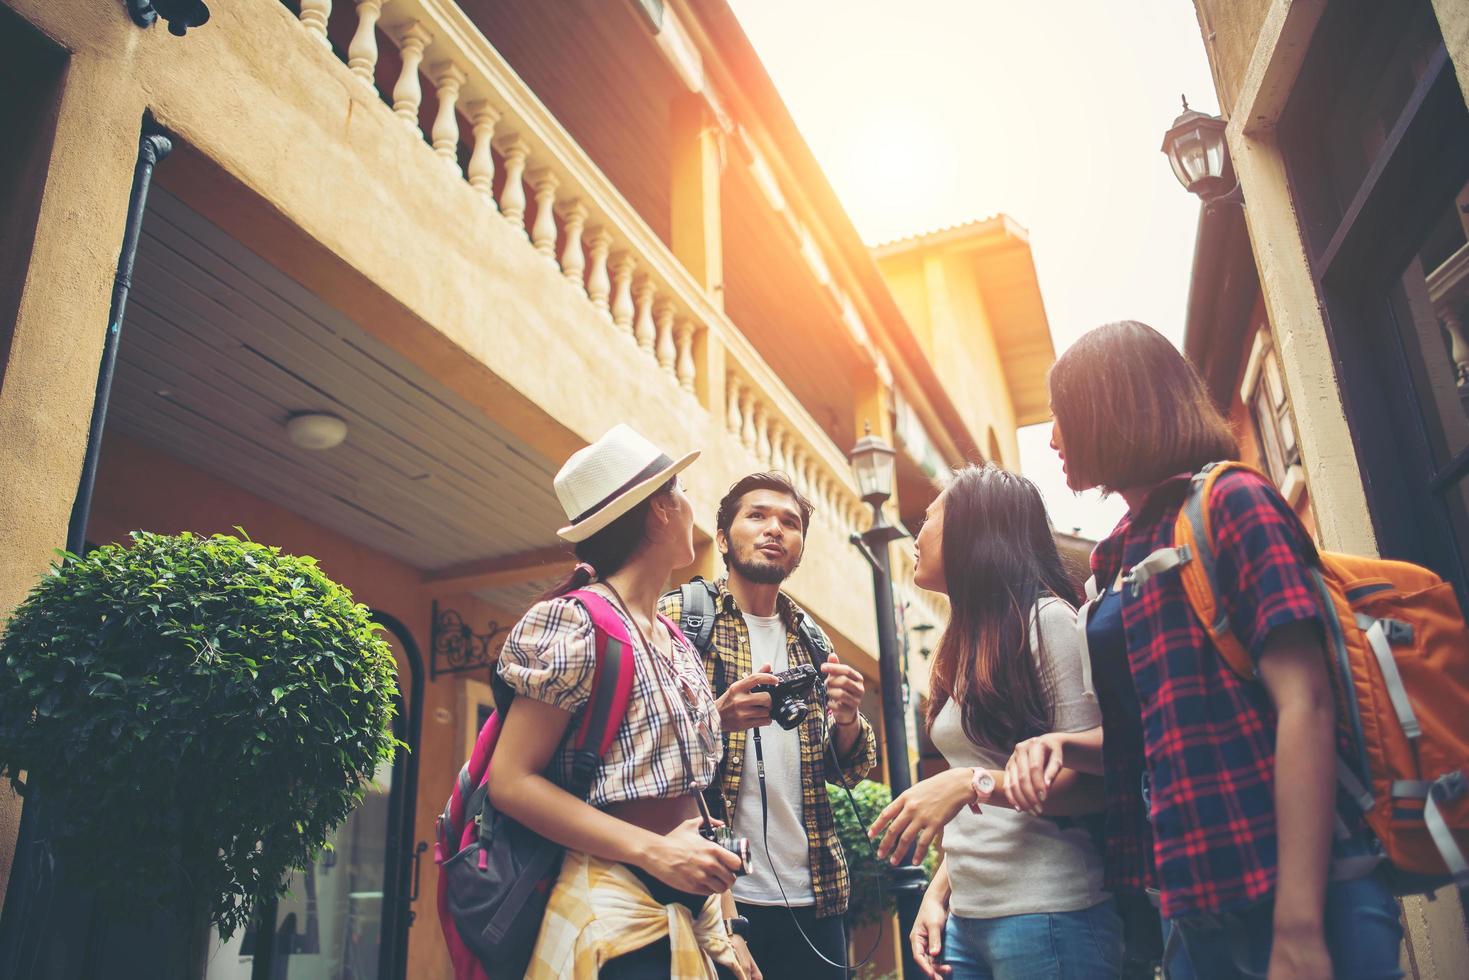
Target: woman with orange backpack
1221,791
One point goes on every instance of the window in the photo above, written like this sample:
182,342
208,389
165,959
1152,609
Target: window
1263,394
1376,138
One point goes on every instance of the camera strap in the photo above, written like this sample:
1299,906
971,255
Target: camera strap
830,745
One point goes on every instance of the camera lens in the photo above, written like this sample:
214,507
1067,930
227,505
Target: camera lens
789,714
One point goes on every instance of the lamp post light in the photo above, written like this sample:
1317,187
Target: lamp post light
924,650
1199,154
873,464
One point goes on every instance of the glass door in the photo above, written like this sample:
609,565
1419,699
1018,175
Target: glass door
346,916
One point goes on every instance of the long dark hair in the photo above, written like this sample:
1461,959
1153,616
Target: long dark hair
1133,411
999,558
612,547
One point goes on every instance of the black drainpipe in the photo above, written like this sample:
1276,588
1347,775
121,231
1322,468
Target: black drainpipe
26,924
152,148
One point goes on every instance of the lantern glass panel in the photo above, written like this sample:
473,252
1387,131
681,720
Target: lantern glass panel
872,465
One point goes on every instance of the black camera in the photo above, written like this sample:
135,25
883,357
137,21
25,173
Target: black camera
788,694
725,838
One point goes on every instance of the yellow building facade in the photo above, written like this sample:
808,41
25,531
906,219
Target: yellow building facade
479,235
1349,133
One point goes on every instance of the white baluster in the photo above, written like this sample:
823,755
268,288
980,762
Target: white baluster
747,412
362,52
599,286
683,340
484,116
762,435
314,14
733,418
408,93
512,195
1458,348
663,347
797,461
622,308
643,330
543,233
778,448
448,79
573,261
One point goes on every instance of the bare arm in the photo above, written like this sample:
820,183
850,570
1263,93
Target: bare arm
1037,762
533,729
1293,669
1071,794
927,937
911,823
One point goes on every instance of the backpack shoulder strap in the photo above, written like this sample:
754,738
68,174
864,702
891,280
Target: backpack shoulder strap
818,645
1193,531
696,613
612,681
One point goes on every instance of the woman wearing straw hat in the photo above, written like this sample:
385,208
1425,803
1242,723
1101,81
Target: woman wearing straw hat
638,894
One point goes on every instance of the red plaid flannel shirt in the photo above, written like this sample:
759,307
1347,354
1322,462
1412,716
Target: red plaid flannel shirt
1208,736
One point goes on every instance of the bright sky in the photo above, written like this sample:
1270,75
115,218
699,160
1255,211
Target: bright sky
934,112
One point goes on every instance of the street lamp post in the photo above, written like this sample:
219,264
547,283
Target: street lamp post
872,462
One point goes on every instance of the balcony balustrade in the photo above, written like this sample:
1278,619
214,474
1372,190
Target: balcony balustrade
529,172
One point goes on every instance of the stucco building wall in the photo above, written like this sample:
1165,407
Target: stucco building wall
1256,50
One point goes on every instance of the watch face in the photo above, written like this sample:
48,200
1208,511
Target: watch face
986,783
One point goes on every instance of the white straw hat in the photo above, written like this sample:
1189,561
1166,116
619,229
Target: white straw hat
610,477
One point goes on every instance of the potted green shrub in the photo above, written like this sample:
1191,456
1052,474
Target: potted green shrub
198,714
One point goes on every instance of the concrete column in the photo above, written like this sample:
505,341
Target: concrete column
694,205
873,402
1453,23
51,372
1337,492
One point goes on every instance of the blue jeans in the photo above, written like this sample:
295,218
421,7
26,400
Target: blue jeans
1363,936
1085,945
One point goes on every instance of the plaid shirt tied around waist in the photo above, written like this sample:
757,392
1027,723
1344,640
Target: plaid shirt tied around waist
1209,844
728,660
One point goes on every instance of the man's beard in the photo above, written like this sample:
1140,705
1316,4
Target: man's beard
760,571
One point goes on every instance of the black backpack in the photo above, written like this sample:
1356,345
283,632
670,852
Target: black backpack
696,622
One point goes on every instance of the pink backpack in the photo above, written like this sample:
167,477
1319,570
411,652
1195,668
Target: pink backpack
495,875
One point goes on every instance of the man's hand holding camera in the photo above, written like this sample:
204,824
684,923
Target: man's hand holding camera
741,707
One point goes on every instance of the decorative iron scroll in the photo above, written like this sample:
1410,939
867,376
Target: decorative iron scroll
458,649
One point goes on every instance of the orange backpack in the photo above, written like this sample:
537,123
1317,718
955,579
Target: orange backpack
1399,651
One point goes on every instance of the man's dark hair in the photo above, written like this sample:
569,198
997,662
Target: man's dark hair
779,482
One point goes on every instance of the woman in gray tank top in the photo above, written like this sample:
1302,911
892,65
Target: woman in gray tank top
1019,894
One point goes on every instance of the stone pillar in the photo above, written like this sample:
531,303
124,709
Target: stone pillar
50,371
694,205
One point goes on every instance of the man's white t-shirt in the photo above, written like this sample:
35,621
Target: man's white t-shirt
787,832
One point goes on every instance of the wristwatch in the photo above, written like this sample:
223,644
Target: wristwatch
983,785
738,926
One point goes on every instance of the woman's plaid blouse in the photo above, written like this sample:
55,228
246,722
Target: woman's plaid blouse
550,656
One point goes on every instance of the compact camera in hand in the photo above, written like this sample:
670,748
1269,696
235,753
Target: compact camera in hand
788,694
725,838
